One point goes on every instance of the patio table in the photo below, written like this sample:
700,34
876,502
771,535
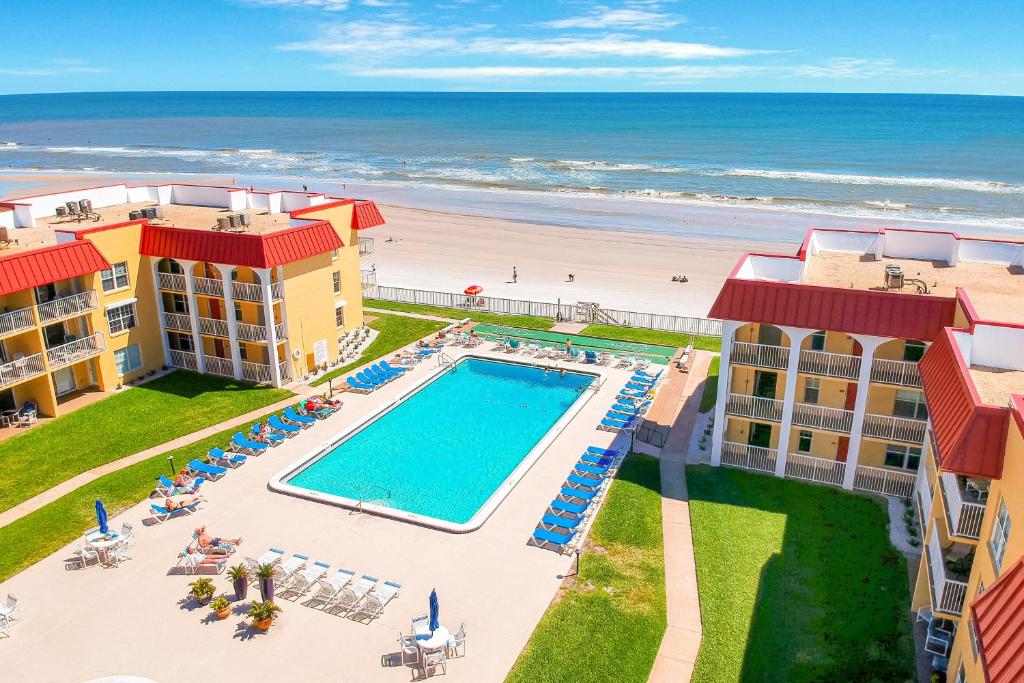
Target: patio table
437,640
102,544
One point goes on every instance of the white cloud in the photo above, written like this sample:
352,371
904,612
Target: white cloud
56,67
679,72
376,38
624,18
853,68
329,5
573,47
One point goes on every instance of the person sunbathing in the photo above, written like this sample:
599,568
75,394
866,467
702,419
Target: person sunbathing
184,500
215,545
324,402
209,559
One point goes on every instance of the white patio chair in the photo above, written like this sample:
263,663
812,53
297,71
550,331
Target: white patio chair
421,625
85,555
456,641
432,659
11,611
408,649
286,569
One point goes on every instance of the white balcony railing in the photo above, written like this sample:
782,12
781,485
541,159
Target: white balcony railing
246,291
178,321
923,496
964,517
895,428
186,360
281,331
253,333
830,364
276,291
822,470
898,483
67,306
947,594
368,278
208,286
898,372
760,355
215,365
213,327
365,246
749,457
744,405
86,347
174,282
822,417
284,368
15,321
256,372
21,369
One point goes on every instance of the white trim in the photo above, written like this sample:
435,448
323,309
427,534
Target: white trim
339,304
122,302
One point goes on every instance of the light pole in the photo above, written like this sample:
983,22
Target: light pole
170,460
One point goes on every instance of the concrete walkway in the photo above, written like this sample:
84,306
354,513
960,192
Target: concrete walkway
679,646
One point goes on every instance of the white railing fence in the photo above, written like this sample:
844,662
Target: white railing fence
276,291
178,321
947,594
246,291
256,372
186,360
895,428
75,304
14,321
964,517
749,457
365,246
174,282
215,365
899,372
760,355
284,368
21,369
213,327
822,417
886,482
822,470
250,332
208,286
281,331
830,364
924,499
745,405
77,350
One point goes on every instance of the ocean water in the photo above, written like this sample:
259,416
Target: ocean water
956,159
446,449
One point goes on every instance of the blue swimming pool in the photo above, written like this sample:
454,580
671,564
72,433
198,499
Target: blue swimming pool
445,450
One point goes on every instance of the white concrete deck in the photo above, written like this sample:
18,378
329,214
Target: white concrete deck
131,619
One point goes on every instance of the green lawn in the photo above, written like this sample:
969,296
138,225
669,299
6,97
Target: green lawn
38,534
396,331
710,395
126,423
636,334
797,582
531,321
608,625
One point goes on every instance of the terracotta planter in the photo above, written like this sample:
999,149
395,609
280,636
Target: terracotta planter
267,589
263,625
241,587
224,613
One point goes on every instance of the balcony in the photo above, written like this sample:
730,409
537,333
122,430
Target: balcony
208,286
213,327
16,321
948,574
368,278
743,405
215,365
898,372
923,497
256,372
174,282
760,355
810,468
892,428
284,369
252,333
821,417
830,364
246,291
749,457
280,331
365,246
181,322
276,291
80,349
67,306
964,509
899,483
186,360
21,369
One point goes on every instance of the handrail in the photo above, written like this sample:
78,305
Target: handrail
895,428
21,369
174,282
746,405
964,517
75,304
208,286
761,355
749,457
823,417
829,364
899,372
14,321
72,352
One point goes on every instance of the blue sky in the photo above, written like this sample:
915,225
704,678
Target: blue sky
560,45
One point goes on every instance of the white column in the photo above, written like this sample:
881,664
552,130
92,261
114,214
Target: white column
193,311
729,328
796,338
268,322
229,304
160,312
868,344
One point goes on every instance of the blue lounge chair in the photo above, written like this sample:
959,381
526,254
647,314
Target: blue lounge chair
378,376
631,394
426,352
585,481
217,456
162,514
596,460
565,506
291,416
633,405
604,452
554,521
643,373
545,537
213,472
361,387
166,487
273,438
288,430
640,379
611,425
580,494
622,415
366,378
590,469
590,357
379,367
391,368
636,386
319,413
238,440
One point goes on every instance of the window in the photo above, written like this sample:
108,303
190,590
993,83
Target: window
812,390
115,277
973,637
128,359
904,457
1000,534
334,254
184,342
910,404
818,341
913,350
339,316
242,352
803,443
238,312
121,318
179,303
336,276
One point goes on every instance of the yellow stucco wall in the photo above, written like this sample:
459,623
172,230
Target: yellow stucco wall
742,381
737,429
823,444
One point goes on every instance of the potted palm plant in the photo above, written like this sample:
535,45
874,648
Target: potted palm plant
221,607
262,614
265,574
239,575
202,590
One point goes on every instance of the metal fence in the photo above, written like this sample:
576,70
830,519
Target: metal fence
545,309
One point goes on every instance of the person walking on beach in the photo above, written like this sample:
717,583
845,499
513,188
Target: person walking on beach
572,277
515,275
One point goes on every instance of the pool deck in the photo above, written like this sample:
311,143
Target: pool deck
132,619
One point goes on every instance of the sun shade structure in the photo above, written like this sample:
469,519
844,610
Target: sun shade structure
473,290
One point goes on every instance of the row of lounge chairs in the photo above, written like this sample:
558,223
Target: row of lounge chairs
586,356
374,377
560,528
632,402
362,599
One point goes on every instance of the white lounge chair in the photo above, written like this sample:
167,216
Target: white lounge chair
351,596
193,561
284,570
302,581
10,611
376,600
329,590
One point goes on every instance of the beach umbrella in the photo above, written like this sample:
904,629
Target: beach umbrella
434,611
101,516
473,290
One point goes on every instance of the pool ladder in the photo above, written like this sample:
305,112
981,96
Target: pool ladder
444,359
364,499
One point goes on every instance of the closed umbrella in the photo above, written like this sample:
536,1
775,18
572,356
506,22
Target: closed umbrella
434,611
101,516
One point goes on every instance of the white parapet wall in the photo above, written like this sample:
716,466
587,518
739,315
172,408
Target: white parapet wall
989,251
774,268
27,210
921,244
843,241
994,346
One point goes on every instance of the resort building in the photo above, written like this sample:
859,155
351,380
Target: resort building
890,361
111,283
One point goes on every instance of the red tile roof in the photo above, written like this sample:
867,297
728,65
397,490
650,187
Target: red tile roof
854,311
365,214
970,436
999,623
240,249
27,269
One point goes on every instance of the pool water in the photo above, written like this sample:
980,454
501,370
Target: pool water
448,447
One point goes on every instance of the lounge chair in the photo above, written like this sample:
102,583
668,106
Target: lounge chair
591,469
166,487
193,561
376,600
284,569
301,581
587,482
209,471
579,494
642,373
596,460
273,438
319,413
612,425
378,376
241,444
590,357
392,369
623,415
366,378
380,369
292,417
361,387
559,505
554,522
543,538
328,590
284,428
638,386
605,452
351,596
217,456
162,514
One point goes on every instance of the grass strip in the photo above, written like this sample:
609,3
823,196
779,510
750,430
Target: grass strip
636,334
530,321
710,394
